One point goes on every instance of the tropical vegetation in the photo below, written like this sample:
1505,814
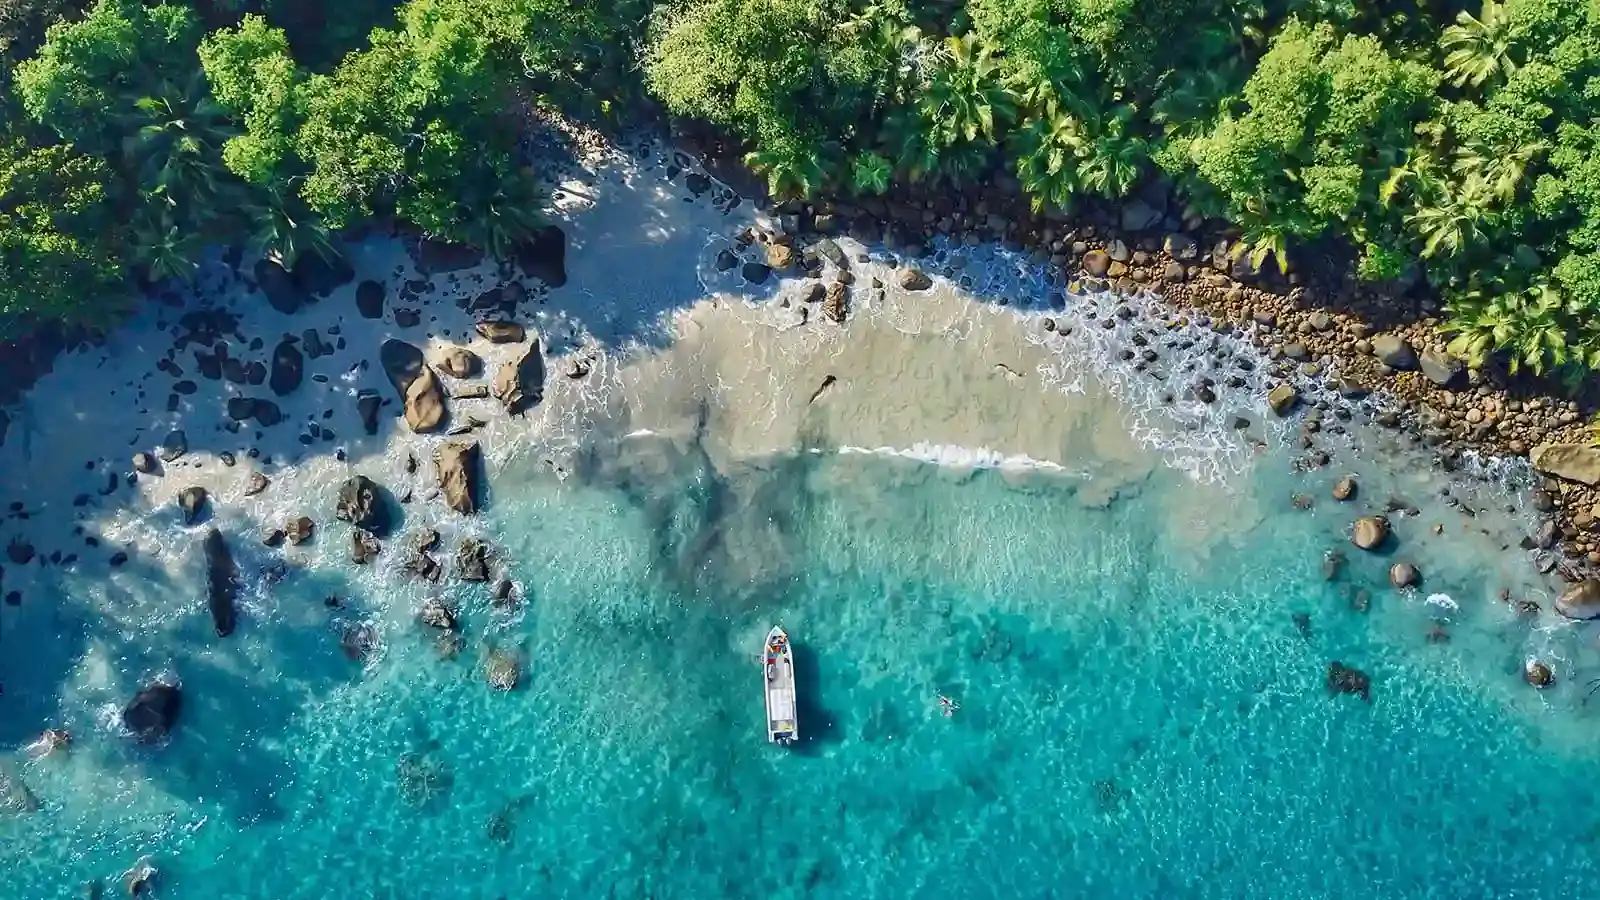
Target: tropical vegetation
1454,143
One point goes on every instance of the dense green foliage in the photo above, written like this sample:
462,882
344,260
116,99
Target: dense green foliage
1462,144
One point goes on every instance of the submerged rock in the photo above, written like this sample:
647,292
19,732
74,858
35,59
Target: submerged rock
1344,489
368,405
915,280
361,504
502,670
1404,575
140,880
144,464
1581,600
1283,398
15,797
222,583
1343,679
519,385
1538,674
152,712
421,397
369,299
256,484
458,465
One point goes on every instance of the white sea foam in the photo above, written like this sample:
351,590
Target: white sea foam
956,457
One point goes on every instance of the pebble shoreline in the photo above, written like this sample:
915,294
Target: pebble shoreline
1435,400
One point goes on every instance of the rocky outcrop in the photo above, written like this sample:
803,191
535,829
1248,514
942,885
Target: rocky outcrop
472,560
458,465
299,530
1581,600
435,614
192,501
364,547
152,712
459,362
361,504
222,583
421,396
1573,462
1343,679
519,385
1370,532
502,332
288,368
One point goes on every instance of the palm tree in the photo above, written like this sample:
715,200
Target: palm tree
1459,222
283,230
1112,158
1047,157
175,145
966,105
507,213
1478,48
163,249
1526,325
794,169
1500,167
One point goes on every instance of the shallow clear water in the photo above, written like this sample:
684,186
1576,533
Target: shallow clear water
1139,715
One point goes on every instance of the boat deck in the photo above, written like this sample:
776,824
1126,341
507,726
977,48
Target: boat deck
780,695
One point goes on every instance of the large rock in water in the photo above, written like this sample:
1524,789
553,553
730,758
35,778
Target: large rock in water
1370,532
420,394
458,465
192,501
1581,601
288,368
153,711
361,504
519,385
1574,462
222,583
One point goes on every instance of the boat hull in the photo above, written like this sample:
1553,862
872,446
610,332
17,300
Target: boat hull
777,663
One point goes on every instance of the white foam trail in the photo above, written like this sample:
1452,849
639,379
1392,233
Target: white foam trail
956,457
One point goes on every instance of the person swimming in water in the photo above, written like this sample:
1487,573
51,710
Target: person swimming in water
52,740
948,706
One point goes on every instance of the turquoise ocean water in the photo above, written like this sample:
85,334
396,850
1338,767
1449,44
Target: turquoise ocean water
1140,714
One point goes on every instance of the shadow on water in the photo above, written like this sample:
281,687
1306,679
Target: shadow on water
818,724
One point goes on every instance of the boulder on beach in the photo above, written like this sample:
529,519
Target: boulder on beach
501,332
152,712
288,368
361,504
279,287
420,394
1441,368
458,465
369,299
1283,398
222,583
1096,263
1343,679
459,362
192,501
836,302
544,255
1370,532
519,385
1394,351
1581,600
1572,462
914,280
